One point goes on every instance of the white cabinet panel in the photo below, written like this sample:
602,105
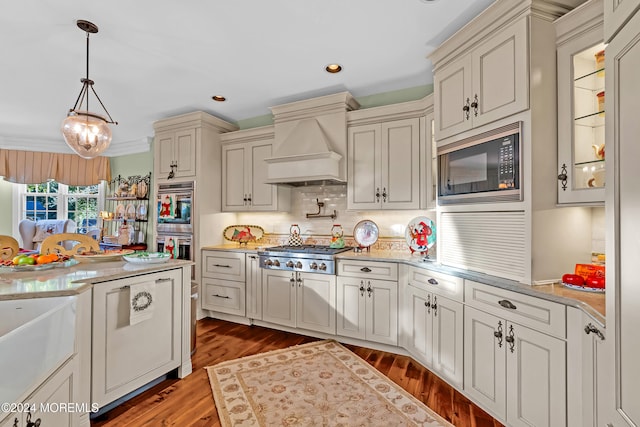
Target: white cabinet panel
384,165
125,356
223,296
374,300
279,297
487,84
616,15
253,287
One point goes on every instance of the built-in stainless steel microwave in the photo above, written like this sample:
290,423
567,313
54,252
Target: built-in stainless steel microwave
482,169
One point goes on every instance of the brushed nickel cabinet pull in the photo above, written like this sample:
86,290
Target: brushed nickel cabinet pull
222,265
166,279
432,281
365,269
221,296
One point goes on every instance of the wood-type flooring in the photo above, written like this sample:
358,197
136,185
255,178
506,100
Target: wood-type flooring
189,402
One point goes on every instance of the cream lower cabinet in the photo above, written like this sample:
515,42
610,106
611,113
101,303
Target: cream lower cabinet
433,323
487,84
299,300
514,372
384,165
585,342
46,405
223,282
127,356
253,286
368,309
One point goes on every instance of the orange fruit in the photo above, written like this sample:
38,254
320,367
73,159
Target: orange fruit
43,259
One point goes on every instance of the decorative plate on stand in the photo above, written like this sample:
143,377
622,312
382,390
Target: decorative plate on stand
365,233
243,233
420,235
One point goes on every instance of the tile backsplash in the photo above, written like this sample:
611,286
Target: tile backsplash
391,224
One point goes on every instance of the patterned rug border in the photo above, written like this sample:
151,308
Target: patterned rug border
223,411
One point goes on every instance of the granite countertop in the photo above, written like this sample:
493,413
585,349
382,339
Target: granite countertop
73,280
592,303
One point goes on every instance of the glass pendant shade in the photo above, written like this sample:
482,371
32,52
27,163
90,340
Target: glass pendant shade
87,134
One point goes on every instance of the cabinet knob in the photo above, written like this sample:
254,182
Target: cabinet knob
377,194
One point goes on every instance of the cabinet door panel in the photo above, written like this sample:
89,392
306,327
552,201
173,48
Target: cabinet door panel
364,167
484,361
500,75
185,152
616,14
125,356
536,373
351,308
623,293
165,155
254,287
316,307
263,196
419,328
56,390
233,172
452,85
382,312
278,298
400,164
448,329
224,296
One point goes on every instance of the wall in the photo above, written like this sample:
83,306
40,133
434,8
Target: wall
132,164
6,200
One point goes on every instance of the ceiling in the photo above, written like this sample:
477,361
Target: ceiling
154,59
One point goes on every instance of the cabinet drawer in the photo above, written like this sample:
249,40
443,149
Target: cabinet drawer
368,269
541,315
224,296
438,283
223,265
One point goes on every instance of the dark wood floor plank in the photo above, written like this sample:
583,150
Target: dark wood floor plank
189,402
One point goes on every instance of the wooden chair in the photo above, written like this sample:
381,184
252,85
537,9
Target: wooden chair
9,247
56,244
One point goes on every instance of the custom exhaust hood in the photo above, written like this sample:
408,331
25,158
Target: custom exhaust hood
311,141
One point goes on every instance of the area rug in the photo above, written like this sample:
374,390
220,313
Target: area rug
316,384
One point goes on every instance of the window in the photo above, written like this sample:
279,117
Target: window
52,200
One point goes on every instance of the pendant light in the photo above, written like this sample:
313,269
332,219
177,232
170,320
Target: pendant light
88,134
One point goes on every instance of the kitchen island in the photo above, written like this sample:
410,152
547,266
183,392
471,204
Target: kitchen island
131,326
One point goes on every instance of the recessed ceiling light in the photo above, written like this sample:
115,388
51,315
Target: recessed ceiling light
219,98
333,68
428,1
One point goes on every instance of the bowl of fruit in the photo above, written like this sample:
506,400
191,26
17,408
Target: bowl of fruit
36,262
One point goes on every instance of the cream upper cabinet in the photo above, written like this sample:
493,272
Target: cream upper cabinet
617,13
176,153
622,393
484,85
384,165
244,173
581,115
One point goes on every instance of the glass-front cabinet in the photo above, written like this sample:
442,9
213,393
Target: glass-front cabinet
581,94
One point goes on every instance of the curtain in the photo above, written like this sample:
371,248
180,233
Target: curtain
34,167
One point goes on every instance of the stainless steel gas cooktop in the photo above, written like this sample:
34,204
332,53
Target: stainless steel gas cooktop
305,258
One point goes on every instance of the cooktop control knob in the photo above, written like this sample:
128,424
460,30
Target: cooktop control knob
276,263
298,265
268,263
323,267
289,264
313,266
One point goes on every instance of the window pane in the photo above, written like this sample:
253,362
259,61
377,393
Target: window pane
53,187
52,203
51,215
71,204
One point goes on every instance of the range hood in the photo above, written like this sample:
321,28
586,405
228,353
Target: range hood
310,142
305,157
